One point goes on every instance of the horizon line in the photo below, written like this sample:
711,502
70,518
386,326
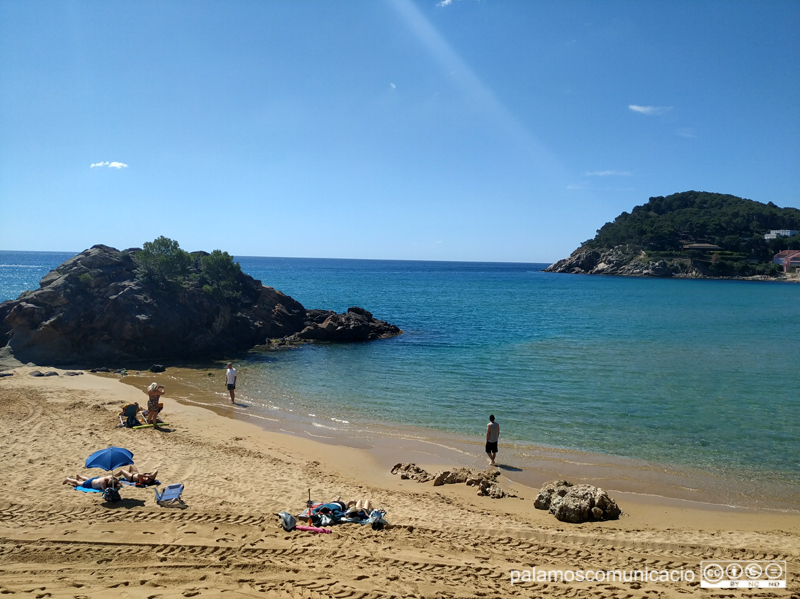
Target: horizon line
236,256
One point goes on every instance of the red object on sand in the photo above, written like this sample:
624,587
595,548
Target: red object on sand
314,529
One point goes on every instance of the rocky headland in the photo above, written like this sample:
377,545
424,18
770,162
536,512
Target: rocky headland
621,260
93,309
698,235
633,261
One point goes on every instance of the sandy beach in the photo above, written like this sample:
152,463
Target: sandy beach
441,542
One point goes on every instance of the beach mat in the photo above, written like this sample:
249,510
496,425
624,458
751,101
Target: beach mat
128,483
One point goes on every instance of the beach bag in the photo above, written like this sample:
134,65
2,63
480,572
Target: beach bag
111,495
376,518
287,521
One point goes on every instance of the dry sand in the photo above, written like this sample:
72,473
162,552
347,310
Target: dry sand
441,542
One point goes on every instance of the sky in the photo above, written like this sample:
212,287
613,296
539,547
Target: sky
469,130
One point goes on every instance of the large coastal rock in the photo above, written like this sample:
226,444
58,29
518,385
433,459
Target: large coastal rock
91,309
576,503
622,261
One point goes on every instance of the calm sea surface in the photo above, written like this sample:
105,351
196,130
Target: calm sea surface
701,374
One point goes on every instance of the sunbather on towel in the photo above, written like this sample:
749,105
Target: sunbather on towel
361,504
334,507
141,479
101,483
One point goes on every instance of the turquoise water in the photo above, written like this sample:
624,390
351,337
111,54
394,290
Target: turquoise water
695,373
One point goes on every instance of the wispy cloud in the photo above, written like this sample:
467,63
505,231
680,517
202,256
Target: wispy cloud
116,165
650,110
607,174
687,132
444,3
593,188
393,86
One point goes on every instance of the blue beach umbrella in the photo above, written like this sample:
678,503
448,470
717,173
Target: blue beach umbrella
109,458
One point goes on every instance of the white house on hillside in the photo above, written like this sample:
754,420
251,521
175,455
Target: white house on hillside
775,233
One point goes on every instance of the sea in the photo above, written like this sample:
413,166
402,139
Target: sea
694,382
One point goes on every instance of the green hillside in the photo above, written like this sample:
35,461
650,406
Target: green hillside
664,225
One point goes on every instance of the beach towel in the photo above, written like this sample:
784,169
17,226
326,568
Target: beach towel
88,489
128,483
314,529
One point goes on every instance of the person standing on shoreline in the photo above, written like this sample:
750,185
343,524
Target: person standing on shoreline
492,437
230,379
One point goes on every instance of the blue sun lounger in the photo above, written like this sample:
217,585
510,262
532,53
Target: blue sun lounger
171,495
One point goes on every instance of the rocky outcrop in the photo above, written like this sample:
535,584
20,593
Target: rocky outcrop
93,309
354,325
632,261
412,471
485,480
622,261
576,503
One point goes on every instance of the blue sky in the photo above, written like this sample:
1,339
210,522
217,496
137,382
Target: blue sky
486,130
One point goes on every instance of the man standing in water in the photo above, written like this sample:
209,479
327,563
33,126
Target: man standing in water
230,379
492,436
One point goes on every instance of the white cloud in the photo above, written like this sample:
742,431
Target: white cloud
607,174
650,110
687,132
393,86
444,3
116,165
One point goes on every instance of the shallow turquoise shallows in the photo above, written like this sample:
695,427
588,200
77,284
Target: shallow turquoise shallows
695,373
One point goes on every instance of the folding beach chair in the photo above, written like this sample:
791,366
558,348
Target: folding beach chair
171,496
130,412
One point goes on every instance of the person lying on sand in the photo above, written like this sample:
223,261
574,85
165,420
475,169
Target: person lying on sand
361,504
101,483
141,479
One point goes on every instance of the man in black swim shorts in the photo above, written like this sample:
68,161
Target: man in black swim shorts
492,436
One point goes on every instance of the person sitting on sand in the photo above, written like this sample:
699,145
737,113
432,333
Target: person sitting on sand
141,479
101,483
154,393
